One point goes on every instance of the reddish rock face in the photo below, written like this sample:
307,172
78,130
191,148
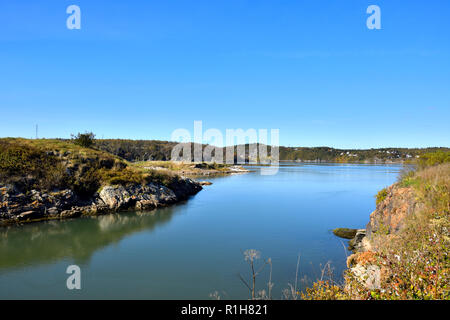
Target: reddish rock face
390,214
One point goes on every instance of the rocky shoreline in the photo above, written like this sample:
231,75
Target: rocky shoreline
201,170
386,221
17,207
355,237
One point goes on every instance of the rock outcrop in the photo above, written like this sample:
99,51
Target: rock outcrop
17,207
140,196
345,233
391,213
386,220
185,187
357,243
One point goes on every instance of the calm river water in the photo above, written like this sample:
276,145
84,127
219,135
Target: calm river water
195,248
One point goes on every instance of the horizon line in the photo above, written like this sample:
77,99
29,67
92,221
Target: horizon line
234,145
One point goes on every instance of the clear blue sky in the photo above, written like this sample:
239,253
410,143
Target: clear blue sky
141,69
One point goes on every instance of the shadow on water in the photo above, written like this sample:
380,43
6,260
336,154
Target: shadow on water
77,239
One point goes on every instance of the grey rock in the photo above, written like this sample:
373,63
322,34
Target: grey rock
53,211
369,276
185,187
115,196
72,213
356,244
145,205
17,206
28,215
345,233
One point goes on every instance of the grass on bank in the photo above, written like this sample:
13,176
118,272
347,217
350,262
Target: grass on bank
414,263
183,166
51,164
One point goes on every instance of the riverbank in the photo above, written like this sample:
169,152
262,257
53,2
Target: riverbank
403,252
183,251
197,169
53,179
34,206
137,150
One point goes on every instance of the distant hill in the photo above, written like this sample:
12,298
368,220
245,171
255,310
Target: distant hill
354,155
143,150
137,150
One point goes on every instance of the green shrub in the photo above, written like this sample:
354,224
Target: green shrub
414,262
324,290
14,159
48,165
381,195
29,168
434,158
55,177
86,184
409,180
85,140
121,176
164,178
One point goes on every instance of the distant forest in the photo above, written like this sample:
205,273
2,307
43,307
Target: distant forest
137,150
144,150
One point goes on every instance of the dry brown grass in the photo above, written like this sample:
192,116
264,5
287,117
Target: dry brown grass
414,263
48,164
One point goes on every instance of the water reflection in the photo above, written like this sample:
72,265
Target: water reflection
193,249
77,239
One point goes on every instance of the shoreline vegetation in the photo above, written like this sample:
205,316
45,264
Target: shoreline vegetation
155,150
195,169
403,253
48,179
